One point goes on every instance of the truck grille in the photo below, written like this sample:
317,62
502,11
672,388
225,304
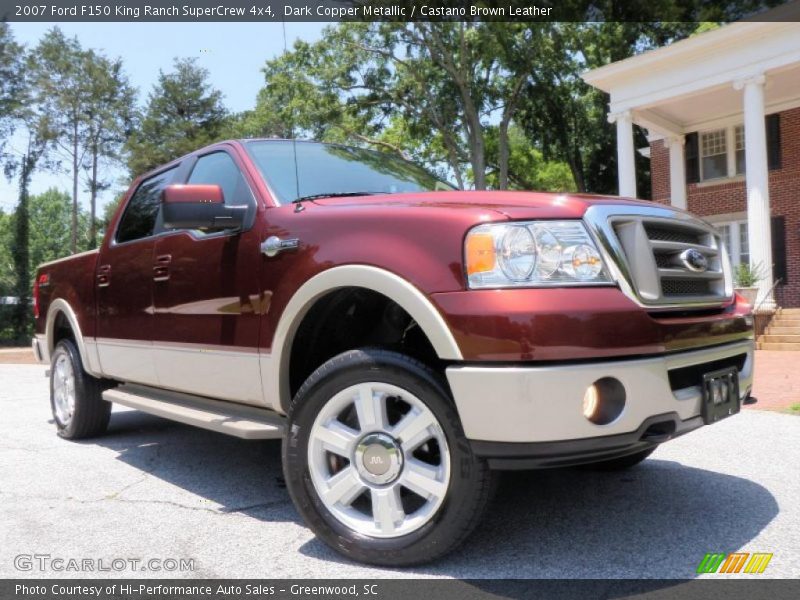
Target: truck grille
664,257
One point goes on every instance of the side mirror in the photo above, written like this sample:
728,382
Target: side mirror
199,207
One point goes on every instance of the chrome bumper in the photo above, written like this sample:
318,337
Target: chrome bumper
544,403
39,345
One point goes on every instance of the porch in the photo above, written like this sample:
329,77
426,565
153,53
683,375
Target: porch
720,110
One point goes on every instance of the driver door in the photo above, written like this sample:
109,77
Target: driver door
206,297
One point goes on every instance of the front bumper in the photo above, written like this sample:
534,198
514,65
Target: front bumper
510,410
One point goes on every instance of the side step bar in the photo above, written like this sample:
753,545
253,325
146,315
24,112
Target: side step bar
242,421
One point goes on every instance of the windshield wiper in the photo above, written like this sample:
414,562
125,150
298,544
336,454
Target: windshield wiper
335,195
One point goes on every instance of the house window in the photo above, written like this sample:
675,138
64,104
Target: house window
713,151
734,236
722,153
744,244
739,148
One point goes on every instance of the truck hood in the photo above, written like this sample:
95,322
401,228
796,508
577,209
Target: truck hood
514,205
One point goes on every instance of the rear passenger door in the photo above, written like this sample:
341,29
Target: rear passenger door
207,299
124,285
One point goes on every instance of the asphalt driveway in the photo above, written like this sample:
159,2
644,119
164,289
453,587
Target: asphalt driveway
152,489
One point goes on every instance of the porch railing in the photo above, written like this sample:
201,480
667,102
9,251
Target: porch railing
762,316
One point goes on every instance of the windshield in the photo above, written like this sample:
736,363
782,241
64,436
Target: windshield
331,170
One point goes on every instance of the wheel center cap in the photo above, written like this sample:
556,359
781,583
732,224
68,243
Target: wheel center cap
379,458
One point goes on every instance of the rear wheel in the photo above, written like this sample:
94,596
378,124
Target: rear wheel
75,396
377,463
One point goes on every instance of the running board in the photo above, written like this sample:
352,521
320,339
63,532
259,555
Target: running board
239,420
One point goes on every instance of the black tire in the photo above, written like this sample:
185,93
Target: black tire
91,413
622,463
470,484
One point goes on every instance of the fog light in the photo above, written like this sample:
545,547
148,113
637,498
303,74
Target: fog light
604,401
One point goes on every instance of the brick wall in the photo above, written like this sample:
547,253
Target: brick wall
731,197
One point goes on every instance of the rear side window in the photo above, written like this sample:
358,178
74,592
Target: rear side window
218,168
139,218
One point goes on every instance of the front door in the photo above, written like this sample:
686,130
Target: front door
124,284
206,297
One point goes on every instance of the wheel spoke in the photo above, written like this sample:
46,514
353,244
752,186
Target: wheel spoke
336,437
371,409
387,510
344,487
413,429
422,479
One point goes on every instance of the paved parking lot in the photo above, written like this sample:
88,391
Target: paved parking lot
155,489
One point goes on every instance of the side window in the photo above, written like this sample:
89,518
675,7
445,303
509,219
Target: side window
218,168
139,218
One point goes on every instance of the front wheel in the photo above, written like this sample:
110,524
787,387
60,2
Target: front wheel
377,463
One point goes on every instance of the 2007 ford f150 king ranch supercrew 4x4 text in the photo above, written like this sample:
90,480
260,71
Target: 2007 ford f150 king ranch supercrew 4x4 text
405,339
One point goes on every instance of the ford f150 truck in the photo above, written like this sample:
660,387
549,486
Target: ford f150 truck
404,339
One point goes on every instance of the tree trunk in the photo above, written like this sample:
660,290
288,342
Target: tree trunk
93,190
74,226
576,166
476,142
502,151
21,249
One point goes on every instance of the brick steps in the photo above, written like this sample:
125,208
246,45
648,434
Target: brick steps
783,332
776,346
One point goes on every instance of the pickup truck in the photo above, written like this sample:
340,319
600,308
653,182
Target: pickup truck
404,339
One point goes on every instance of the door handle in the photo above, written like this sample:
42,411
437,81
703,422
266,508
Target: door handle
161,267
273,245
160,273
103,275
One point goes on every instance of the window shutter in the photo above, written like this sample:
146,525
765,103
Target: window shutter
779,249
774,141
692,153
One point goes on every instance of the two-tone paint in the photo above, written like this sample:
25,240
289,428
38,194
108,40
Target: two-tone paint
214,316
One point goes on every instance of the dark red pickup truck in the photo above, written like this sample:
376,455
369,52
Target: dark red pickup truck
404,339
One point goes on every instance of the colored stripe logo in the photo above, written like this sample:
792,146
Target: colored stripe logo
735,562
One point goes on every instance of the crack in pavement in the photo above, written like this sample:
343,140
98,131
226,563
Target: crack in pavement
219,511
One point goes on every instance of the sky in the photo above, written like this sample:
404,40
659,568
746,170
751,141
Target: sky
233,53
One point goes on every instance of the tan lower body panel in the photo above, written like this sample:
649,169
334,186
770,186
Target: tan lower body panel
246,422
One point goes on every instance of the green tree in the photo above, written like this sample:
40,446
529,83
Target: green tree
183,113
528,169
7,279
50,231
89,103
109,120
60,78
439,93
11,86
567,118
22,113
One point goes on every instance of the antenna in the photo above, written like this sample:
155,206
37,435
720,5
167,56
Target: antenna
291,127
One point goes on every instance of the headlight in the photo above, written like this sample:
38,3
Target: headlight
532,254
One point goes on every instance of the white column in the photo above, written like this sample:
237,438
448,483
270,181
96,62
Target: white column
677,171
757,177
626,159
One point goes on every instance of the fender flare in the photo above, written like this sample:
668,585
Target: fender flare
275,367
88,356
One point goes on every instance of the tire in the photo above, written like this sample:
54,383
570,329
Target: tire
623,462
408,526
75,396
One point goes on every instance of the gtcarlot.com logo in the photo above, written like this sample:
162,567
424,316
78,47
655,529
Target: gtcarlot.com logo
48,562
735,562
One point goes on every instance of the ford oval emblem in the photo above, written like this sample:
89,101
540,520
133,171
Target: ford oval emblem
694,260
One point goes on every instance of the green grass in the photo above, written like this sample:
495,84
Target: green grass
794,409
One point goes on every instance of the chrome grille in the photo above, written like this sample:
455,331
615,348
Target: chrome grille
645,246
